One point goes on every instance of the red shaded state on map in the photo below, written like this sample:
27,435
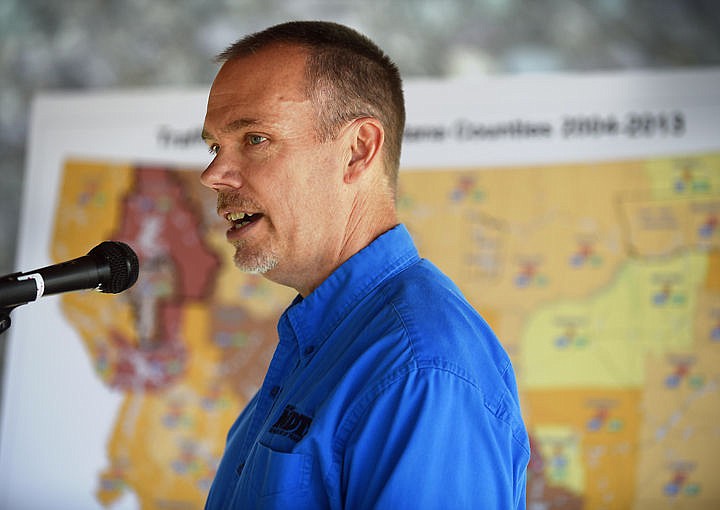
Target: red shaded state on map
176,267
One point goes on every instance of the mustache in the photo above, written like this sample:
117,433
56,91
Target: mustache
233,200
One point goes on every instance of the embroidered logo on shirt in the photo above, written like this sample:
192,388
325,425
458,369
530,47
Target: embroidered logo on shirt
291,424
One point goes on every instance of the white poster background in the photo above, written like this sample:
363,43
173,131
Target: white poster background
57,415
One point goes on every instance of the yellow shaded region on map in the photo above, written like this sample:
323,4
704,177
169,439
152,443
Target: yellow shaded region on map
712,281
587,439
166,445
602,341
507,235
91,205
686,176
561,450
679,461
93,315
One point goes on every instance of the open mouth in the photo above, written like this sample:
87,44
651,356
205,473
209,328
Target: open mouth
242,219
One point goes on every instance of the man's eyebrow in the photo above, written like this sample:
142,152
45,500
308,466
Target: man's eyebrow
237,124
230,127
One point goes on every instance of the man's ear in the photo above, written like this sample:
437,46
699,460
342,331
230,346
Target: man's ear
366,147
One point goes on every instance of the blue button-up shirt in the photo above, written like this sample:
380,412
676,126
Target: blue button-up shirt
386,390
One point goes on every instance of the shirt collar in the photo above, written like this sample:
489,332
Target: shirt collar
313,318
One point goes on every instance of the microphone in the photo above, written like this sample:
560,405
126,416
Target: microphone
110,267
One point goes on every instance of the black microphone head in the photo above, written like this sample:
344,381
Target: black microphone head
122,262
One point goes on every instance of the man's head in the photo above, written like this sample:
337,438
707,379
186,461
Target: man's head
301,148
347,77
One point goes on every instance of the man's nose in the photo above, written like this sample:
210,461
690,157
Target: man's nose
220,174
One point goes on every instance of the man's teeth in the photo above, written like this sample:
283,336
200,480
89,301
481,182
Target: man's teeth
235,216
239,218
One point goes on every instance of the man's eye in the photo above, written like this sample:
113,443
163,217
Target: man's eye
214,149
256,139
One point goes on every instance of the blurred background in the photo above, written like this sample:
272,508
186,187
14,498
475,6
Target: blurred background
51,45
110,44
74,45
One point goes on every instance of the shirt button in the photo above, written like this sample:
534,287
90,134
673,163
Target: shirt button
274,391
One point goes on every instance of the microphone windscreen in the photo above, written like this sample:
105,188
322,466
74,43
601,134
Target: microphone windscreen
122,263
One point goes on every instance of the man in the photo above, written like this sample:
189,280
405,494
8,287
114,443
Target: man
386,390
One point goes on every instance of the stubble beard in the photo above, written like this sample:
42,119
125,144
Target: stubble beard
253,261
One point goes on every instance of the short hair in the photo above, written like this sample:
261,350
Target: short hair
347,77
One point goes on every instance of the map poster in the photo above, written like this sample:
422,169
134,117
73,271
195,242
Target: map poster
580,215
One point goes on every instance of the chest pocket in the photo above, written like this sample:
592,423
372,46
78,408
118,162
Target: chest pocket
276,473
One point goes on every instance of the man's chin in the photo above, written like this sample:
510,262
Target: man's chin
259,264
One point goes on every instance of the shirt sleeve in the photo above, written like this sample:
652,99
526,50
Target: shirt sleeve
428,440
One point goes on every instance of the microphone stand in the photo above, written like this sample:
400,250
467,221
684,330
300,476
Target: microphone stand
5,318
5,321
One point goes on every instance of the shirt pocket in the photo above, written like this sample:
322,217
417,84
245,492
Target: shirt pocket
277,473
